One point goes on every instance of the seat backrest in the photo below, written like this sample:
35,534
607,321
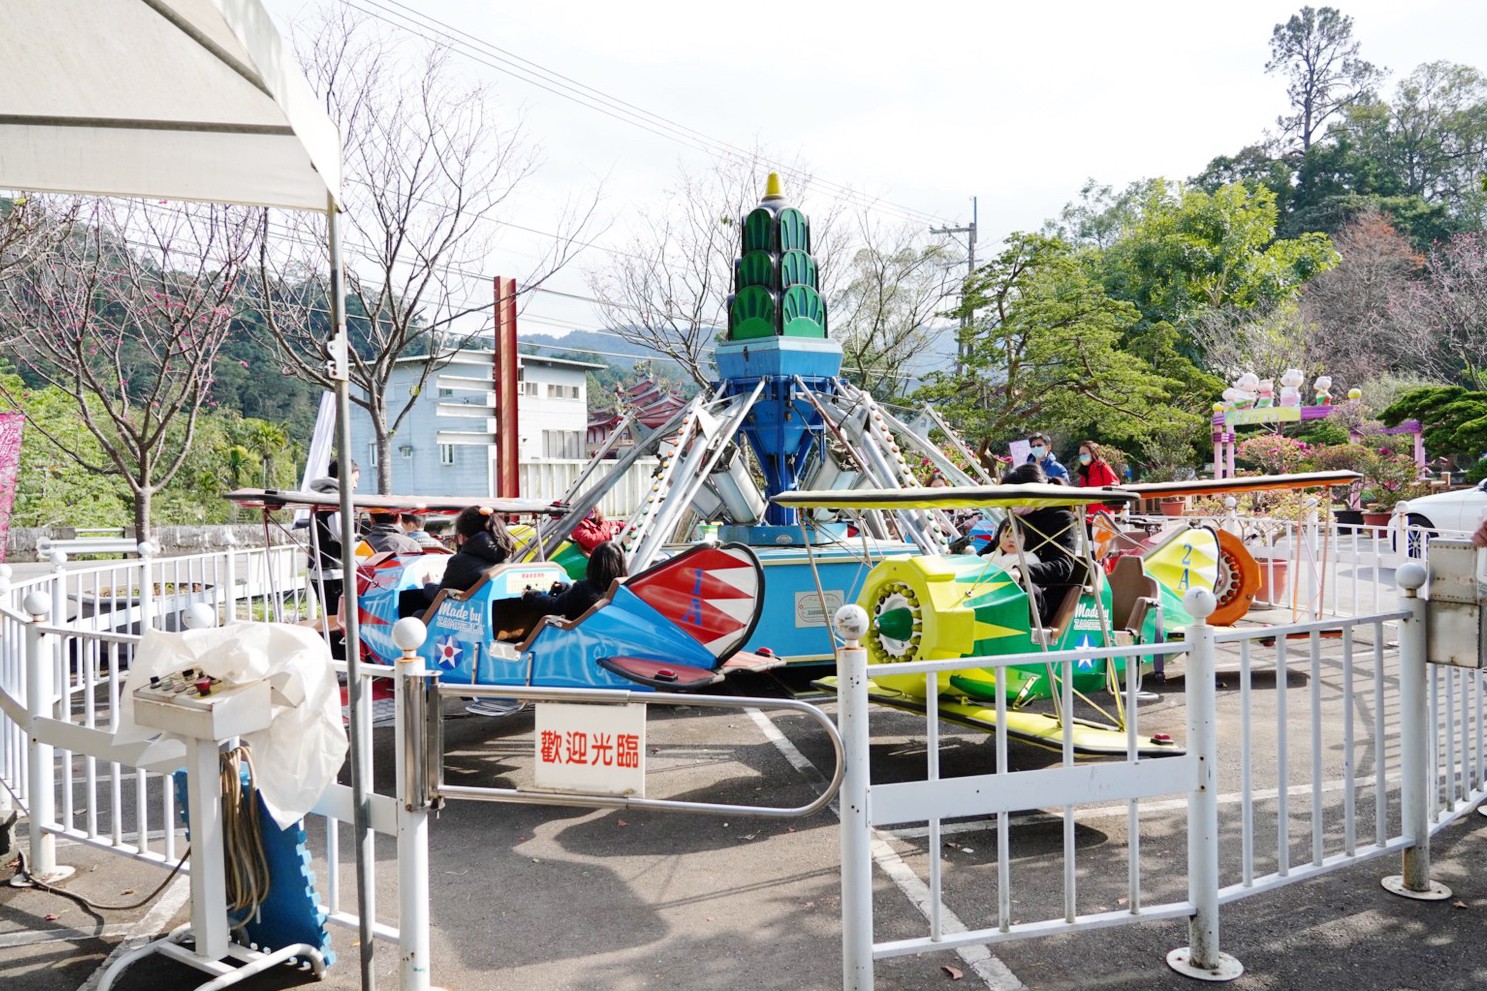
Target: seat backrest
1065,611
1129,584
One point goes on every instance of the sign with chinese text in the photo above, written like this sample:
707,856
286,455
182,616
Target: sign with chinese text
1262,414
592,749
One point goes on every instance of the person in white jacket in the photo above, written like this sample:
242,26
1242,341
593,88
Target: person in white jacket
1007,541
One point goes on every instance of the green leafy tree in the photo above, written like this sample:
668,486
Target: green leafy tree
1453,419
52,487
1043,351
1315,53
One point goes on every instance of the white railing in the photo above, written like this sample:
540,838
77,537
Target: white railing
550,478
1315,785
68,637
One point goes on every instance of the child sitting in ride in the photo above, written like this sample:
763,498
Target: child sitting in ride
1050,536
1007,542
606,563
593,530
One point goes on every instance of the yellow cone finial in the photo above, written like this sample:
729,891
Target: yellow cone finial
772,188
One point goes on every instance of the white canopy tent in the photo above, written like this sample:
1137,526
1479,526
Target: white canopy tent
173,99
186,100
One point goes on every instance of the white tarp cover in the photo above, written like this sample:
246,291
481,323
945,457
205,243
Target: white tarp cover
171,99
297,757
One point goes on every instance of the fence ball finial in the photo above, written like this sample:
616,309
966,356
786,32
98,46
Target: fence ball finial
37,604
1410,576
851,622
4,576
409,633
200,616
1199,602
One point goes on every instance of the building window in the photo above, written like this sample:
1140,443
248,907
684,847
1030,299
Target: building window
446,454
529,388
562,444
556,391
406,451
445,393
372,453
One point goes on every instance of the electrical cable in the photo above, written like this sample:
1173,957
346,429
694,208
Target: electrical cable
99,906
248,876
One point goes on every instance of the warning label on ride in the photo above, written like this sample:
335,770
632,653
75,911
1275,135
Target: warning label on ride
592,749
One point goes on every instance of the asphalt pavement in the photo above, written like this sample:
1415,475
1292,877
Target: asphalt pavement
528,897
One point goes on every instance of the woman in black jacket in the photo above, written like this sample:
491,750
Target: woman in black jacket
606,563
481,542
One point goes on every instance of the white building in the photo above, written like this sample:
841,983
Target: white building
446,444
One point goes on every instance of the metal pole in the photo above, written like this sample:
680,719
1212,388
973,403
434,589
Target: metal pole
412,687
360,742
856,826
40,770
1202,959
1414,745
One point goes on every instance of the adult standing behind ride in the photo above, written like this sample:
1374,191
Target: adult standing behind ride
1094,472
1048,535
325,550
606,563
1040,453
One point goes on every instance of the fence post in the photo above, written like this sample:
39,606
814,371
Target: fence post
7,805
851,624
229,580
1201,958
40,771
1414,744
411,687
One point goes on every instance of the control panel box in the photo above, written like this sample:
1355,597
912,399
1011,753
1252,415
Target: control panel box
1455,628
190,704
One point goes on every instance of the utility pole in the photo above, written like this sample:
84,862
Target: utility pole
965,318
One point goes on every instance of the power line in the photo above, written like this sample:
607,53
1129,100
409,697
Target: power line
478,50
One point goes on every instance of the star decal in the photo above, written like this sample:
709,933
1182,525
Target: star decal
447,652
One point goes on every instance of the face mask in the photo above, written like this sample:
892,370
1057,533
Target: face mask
1040,452
1085,459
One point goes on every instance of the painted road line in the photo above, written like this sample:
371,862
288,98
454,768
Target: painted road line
151,924
985,965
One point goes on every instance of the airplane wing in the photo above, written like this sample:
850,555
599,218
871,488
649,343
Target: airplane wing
955,497
283,499
1251,483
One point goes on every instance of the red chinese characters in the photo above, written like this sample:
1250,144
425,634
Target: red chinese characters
592,749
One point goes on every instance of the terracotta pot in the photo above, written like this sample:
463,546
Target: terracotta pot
1377,519
1273,583
1173,507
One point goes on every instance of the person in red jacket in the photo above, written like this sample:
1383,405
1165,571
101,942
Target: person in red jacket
594,530
1094,472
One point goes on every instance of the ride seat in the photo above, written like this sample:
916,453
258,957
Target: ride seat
1064,614
510,620
1132,594
563,623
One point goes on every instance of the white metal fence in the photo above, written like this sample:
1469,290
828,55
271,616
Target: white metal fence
1339,788
1369,757
65,644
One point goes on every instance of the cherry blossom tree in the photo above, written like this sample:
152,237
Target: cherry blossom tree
126,315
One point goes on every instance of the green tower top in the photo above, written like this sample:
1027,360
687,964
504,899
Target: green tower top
774,278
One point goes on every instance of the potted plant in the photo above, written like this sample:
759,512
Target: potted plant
1174,506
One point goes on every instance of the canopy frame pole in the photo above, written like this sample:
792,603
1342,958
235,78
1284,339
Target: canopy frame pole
351,627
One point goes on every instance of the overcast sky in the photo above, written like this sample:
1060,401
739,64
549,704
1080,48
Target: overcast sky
1017,104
